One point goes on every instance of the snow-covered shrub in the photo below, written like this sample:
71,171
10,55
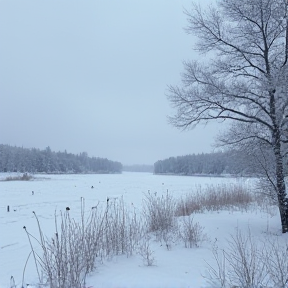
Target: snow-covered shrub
190,232
276,257
71,254
146,252
159,212
249,263
122,231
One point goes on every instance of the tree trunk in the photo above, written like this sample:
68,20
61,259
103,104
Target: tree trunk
280,183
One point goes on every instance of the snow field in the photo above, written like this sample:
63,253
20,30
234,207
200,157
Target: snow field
178,267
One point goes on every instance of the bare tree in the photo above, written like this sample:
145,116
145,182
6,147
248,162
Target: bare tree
245,80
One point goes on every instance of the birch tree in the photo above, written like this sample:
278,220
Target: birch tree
244,80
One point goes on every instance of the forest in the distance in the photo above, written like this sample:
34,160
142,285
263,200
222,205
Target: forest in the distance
218,163
19,159
24,160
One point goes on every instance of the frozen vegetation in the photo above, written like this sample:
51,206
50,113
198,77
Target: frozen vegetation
141,230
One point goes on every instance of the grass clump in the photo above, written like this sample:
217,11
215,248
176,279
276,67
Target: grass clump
23,177
190,232
159,211
215,198
160,218
78,246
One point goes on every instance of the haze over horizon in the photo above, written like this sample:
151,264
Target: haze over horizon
91,76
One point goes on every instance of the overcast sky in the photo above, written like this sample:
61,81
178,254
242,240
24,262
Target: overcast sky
92,76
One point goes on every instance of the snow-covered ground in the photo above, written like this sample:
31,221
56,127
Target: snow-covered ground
178,267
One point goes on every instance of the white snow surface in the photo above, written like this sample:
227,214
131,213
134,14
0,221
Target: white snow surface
179,267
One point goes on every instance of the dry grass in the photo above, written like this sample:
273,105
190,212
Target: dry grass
77,246
24,177
110,230
215,198
159,211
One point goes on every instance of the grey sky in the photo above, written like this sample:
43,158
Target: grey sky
92,76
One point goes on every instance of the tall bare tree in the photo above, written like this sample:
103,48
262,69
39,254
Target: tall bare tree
245,78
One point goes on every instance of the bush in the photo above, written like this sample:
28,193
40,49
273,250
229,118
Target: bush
248,263
71,254
145,251
191,233
159,212
123,230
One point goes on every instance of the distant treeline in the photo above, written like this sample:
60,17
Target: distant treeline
16,159
138,168
232,162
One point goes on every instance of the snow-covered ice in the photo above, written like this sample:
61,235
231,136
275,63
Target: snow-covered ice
177,268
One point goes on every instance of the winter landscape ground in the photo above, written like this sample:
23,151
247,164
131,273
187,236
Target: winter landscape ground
173,267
